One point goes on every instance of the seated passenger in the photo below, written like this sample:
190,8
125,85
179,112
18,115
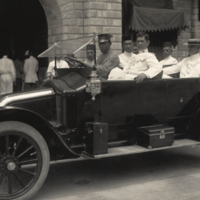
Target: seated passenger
167,52
135,49
90,48
126,59
108,59
145,65
190,66
168,59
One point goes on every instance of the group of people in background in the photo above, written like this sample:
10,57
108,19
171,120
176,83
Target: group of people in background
17,75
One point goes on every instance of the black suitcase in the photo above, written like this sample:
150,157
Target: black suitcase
155,136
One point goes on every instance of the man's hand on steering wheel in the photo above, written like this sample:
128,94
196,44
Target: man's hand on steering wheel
140,78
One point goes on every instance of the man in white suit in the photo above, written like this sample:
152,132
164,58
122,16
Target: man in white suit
190,66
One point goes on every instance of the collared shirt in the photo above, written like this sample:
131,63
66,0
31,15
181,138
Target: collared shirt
126,59
30,70
59,64
143,51
105,63
188,67
168,61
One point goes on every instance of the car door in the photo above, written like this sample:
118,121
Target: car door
181,97
126,101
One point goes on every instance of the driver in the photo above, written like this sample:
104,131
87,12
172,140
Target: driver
107,60
60,63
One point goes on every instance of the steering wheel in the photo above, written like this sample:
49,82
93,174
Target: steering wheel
74,63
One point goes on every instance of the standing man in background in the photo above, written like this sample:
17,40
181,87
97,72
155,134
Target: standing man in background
59,63
8,74
30,72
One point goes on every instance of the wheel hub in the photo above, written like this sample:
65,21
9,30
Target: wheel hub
11,166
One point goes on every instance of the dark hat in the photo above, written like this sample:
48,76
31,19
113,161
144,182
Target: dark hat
104,37
193,41
167,44
90,47
124,38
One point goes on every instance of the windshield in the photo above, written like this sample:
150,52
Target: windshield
75,47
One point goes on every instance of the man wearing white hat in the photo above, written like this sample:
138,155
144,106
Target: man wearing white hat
190,66
108,59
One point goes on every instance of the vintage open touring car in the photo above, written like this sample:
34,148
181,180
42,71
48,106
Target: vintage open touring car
74,116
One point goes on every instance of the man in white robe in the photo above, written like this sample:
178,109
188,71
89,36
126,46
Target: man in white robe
8,75
190,66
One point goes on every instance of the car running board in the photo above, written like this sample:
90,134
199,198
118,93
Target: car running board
135,149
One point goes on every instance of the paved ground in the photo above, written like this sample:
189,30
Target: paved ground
162,175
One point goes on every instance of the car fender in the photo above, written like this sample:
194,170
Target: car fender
46,129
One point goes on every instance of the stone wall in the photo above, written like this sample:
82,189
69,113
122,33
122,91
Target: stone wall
77,18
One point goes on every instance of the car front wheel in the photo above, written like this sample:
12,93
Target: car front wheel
24,161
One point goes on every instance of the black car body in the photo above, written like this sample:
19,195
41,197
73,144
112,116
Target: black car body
60,120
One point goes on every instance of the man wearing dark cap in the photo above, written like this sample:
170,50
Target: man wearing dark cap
168,59
90,55
107,60
190,66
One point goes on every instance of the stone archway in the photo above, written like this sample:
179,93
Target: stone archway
60,14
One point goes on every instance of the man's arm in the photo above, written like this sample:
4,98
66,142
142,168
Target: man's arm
154,66
173,69
111,62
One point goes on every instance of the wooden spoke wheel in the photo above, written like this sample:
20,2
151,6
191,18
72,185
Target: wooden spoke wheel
24,161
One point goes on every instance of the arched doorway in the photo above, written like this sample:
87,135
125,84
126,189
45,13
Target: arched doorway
23,26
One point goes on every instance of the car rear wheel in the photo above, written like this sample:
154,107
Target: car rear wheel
24,161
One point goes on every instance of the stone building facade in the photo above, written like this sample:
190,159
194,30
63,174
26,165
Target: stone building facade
76,18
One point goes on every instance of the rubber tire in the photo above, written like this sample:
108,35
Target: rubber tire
36,136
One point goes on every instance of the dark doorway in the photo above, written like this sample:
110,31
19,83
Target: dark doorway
23,26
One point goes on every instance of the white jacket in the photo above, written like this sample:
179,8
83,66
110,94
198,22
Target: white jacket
30,70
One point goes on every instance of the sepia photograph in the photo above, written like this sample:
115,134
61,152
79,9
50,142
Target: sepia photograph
99,99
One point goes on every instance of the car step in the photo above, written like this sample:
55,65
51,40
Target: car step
135,149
